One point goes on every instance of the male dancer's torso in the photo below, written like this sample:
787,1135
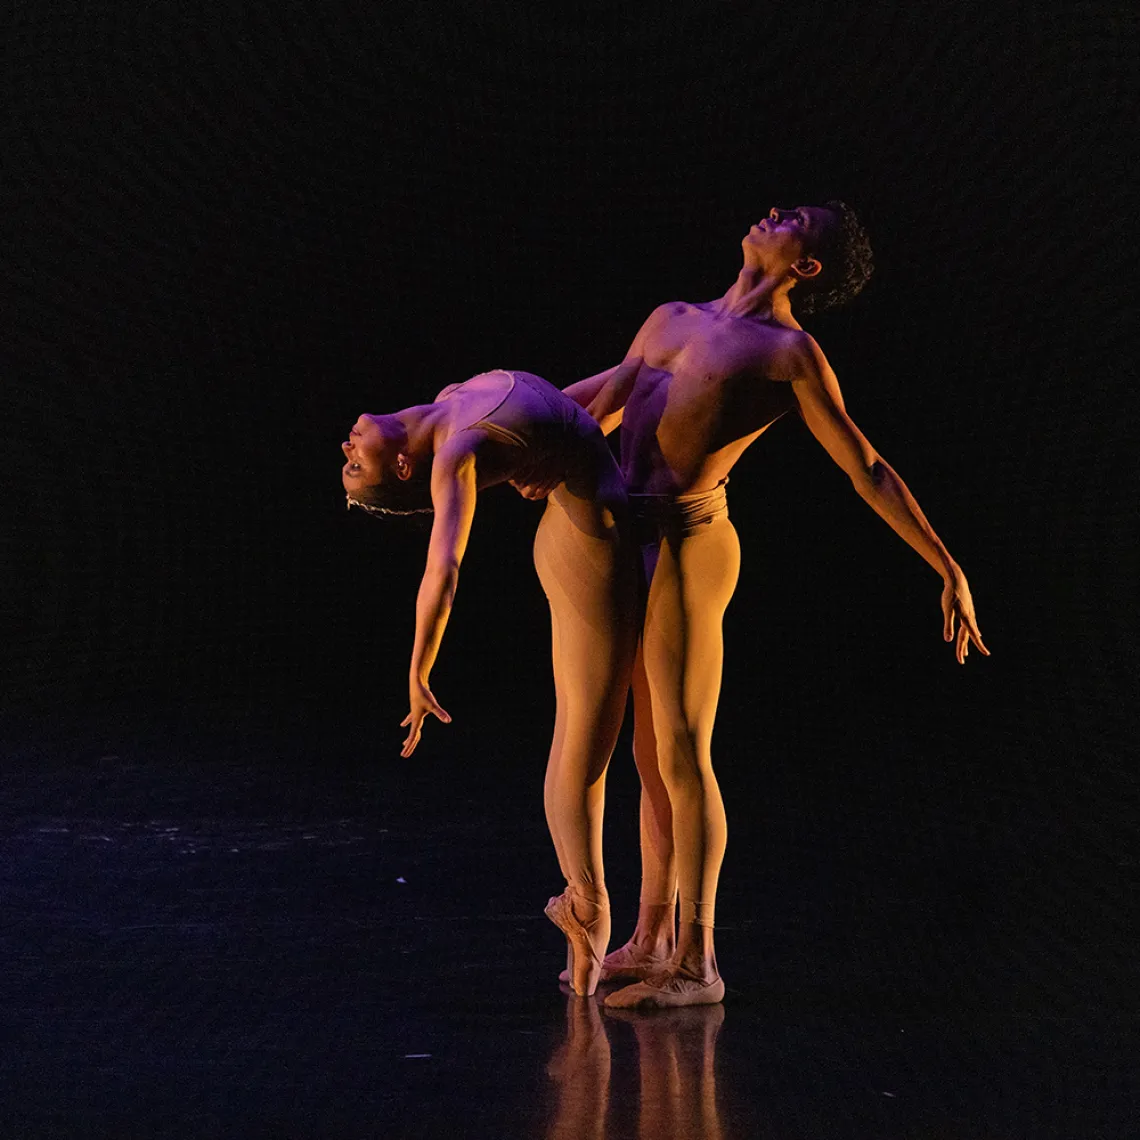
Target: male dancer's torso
709,384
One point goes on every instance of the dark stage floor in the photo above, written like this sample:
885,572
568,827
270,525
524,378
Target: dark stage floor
231,934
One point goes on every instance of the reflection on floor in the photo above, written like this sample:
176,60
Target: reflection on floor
258,939
675,1064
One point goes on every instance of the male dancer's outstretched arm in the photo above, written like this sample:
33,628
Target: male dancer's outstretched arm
820,404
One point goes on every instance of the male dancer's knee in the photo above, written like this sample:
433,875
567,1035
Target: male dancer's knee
681,762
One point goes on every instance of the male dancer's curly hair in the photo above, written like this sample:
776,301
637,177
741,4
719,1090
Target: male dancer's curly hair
845,254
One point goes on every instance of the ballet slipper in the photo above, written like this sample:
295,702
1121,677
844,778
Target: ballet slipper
628,963
670,989
585,964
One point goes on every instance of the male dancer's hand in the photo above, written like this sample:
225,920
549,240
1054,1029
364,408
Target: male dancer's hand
535,489
958,604
532,483
422,702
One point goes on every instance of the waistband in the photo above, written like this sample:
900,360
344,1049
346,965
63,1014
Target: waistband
681,513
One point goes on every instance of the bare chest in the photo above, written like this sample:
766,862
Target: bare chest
711,380
696,341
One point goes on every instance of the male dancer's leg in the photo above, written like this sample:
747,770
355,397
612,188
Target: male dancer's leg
590,588
683,649
655,936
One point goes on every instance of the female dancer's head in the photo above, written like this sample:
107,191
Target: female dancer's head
381,474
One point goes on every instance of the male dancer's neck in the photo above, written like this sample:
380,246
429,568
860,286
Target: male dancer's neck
760,296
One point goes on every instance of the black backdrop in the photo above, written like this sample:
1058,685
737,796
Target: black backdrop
228,228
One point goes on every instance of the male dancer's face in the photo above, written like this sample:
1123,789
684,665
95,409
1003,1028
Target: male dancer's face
785,237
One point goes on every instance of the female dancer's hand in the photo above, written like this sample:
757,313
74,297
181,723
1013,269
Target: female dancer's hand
958,604
422,702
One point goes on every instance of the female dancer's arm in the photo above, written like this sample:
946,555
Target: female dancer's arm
453,497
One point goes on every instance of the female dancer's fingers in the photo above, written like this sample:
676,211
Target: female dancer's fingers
976,638
948,599
412,740
414,721
968,632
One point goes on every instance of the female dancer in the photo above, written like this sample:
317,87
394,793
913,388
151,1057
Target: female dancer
505,426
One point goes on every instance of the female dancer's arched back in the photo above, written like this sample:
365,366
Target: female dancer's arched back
505,426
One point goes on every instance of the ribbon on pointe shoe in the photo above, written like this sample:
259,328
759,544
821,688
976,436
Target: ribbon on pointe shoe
587,962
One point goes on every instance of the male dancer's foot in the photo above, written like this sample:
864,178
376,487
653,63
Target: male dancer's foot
628,963
673,987
648,951
586,923
633,963
690,978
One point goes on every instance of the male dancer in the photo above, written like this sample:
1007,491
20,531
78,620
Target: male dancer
701,382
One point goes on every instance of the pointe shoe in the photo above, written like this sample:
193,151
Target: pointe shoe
585,964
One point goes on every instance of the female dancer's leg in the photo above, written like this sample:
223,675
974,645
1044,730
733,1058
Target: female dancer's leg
589,578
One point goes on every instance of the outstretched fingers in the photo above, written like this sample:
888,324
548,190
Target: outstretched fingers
967,630
962,646
971,626
414,722
413,738
959,625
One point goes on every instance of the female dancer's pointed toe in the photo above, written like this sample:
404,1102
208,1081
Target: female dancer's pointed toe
586,941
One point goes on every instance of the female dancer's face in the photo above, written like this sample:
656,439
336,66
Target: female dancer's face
368,453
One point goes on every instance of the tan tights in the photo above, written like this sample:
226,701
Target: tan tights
676,686
589,576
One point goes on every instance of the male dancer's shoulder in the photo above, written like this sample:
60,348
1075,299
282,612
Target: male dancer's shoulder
668,311
791,354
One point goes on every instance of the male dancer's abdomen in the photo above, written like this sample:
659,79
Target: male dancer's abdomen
681,438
